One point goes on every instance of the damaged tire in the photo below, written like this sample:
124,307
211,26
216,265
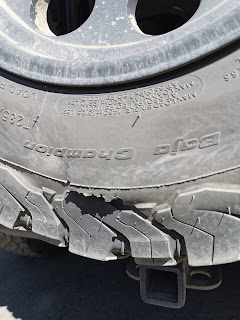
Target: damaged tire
125,142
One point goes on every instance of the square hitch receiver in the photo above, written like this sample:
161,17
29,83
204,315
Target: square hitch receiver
163,286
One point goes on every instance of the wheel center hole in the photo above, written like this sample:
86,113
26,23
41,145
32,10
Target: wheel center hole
156,17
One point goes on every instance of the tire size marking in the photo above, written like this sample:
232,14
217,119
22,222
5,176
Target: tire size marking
17,120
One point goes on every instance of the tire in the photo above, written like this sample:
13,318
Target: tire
28,247
143,163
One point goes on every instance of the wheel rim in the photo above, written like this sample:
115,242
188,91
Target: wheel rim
108,48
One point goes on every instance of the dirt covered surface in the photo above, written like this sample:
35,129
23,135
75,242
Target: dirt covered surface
71,287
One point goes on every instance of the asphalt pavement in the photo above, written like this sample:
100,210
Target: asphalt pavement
75,288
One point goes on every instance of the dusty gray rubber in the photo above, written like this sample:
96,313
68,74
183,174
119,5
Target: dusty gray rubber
150,169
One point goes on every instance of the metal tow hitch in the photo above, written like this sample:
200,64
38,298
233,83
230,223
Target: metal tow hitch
166,286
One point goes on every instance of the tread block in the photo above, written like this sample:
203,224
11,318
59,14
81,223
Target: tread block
44,220
162,245
88,236
101,238
9,209
78,238
199,245
210,209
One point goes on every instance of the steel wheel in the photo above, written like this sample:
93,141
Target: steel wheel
109,47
